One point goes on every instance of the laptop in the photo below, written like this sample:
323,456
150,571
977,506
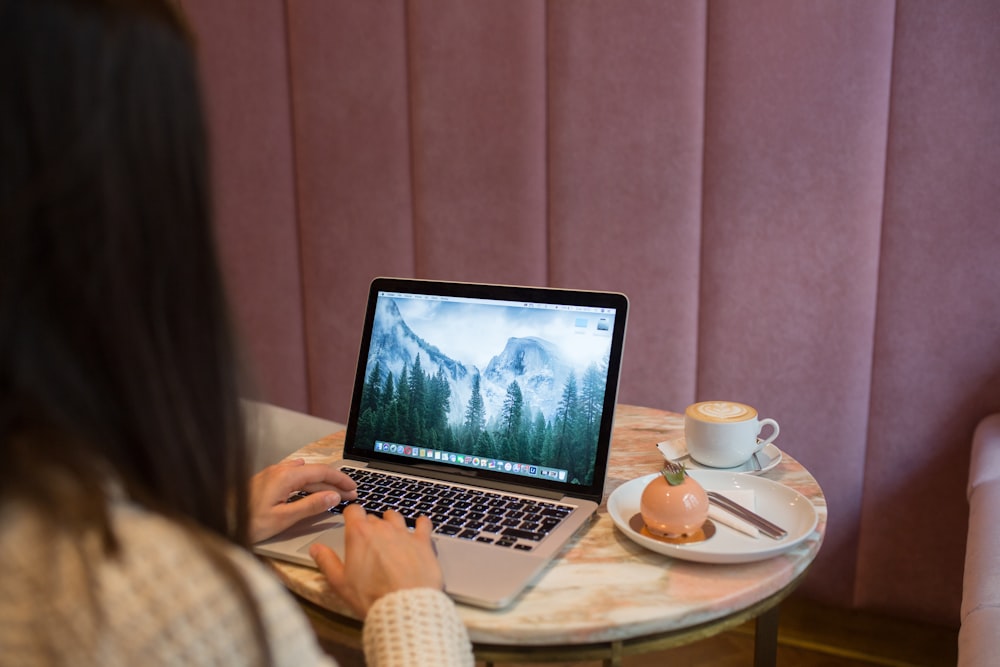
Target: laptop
488,408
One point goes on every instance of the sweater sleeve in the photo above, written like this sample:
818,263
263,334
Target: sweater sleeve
417,626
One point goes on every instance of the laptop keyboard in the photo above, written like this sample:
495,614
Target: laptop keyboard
486,516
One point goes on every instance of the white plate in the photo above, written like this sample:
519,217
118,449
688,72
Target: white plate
676,450
783,505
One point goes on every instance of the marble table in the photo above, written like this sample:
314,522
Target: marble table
606,597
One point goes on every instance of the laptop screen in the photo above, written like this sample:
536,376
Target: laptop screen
507,383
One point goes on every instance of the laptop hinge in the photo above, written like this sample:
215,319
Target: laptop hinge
449,475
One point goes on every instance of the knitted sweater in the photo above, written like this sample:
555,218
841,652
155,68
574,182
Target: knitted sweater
163,602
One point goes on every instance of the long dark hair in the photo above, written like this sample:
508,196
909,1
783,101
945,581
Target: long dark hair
117,361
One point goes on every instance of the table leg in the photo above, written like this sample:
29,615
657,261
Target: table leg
615,659
765,645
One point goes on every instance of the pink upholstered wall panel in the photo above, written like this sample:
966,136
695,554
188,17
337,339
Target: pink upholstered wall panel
420,162
477,86
794,164
349,92
937,346
799,198
244,60
625,145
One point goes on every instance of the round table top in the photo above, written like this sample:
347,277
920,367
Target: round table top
604,587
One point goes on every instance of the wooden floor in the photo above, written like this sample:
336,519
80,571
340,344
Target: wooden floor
809,635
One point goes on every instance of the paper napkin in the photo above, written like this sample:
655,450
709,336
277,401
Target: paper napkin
744,497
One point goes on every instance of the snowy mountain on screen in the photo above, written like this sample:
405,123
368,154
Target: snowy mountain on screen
395,345
534,363
538,369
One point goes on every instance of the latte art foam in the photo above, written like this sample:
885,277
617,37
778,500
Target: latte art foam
721,411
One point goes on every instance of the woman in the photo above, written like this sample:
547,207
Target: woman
124,506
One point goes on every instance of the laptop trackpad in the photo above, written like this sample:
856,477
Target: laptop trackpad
485,575
478,574
332,537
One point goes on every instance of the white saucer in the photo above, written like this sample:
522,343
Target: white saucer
781,504
676,450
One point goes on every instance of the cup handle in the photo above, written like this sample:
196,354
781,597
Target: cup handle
761,444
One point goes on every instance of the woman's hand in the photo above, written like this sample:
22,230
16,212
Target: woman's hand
270,511
380,556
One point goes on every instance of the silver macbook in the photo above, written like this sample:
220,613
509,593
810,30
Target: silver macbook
487,408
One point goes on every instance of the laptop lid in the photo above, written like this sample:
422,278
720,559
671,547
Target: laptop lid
496,385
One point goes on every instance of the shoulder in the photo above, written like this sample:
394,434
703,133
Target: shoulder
165,597
182,576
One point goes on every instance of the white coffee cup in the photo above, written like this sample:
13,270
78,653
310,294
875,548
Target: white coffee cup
724,434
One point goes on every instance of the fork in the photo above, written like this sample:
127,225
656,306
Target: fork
768,528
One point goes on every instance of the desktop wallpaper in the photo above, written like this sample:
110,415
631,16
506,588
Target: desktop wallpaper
498,381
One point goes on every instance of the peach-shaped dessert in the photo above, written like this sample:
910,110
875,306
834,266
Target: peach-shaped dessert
673,505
